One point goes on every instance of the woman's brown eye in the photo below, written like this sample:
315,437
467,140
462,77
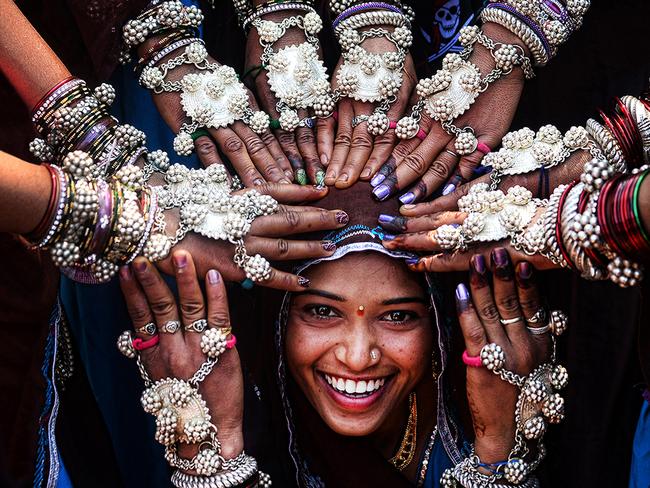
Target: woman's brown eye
322,311
397,316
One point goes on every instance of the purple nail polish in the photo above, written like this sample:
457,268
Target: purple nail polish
500,257
377,179
329,246
381,192
524,274
140,265
213,277
180,260
462,298
478,263
407,197
342,218
455,226
385,218
448,189
477,274
125,272
502,265
304,282
412,261
389,237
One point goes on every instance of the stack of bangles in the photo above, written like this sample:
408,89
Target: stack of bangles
538,405
213,98
182,416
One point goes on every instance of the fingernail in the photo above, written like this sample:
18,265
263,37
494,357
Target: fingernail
365,173
477,270
407,197
462,298
180,260
289,175
377,179
342,217
381,192
389,237
301,176
408,207
343,177
330,177
481,170
524,274
385,219
412,261
448,189
329,246
258,182
501,261
320,177
393,224
304,282
324,159
140,265
213,277
125,272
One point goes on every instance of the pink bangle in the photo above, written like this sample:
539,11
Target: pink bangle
484,148
472,361
140,345
230,343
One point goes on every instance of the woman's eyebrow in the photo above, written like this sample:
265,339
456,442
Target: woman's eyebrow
322,293
397,301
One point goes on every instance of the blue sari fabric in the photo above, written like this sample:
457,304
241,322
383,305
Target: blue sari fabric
640,468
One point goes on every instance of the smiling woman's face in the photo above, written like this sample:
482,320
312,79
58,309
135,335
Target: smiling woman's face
330,340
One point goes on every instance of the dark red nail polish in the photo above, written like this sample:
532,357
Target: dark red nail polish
342,218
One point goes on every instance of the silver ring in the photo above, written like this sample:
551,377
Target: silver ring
540,316
148,329
197,326
539,330
511,321
358,120
171,327
452,153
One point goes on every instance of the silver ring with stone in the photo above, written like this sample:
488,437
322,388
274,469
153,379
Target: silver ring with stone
171,327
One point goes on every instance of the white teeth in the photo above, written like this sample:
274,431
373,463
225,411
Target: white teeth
351,386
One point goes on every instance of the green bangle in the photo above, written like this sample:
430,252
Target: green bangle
199,133
635,207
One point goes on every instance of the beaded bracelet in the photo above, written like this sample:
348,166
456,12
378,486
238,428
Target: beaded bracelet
276,7
363,7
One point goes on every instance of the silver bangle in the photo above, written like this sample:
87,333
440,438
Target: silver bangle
281,7
374,18
607,144
160,55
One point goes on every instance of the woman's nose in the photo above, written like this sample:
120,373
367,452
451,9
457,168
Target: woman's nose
355,350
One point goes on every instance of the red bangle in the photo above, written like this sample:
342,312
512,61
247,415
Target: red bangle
472,361
52,90
45,221
484,148
140,345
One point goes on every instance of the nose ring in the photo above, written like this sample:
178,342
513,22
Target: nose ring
374,355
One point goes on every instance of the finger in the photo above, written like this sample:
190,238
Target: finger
290,193
136,301
470,162
235,150
417,241
413,165
399,223
288,250
215,291
277,154
529,299
294,222
287,141
161,301
207,152
360,148
309,152
190,296
484,302
384,143
325,130
259,154
470,324
506,296
342,141
281,280
445,202
435,175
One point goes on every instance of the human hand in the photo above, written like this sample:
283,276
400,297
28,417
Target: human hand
417,168
514,294
255,158
353,153
299,145
179,355
266,237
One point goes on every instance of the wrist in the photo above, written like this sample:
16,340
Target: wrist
498,33
493,449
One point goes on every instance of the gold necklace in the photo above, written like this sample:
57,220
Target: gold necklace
406,450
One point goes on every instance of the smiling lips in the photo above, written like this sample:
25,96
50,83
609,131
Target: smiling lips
354,395
357,388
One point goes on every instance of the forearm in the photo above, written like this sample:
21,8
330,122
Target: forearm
24,194
25,58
